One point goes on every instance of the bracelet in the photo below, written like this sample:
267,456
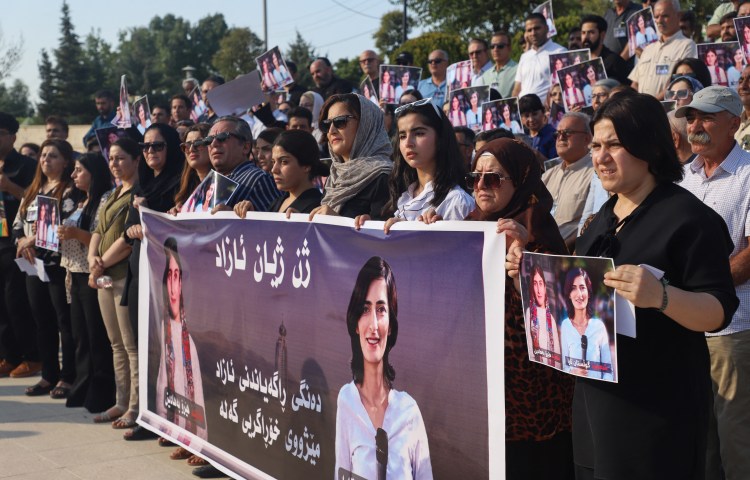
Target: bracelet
665,297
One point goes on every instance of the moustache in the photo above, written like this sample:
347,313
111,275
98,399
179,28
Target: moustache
700,138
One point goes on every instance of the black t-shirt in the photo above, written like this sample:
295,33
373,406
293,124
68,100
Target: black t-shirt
305,203
370,200
20,170
653,423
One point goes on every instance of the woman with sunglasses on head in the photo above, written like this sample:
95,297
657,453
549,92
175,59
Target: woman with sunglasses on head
426,181
49,306
94,387
682,89
197,165
507,184
360,154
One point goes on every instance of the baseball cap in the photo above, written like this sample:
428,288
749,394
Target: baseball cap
713,99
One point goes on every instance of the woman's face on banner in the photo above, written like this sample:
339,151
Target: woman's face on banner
455,103
540,289
641,24
738,57
488,116
373,327
746,32
174,287
579,295
555,94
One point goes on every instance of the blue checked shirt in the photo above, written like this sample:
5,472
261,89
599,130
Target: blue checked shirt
254,185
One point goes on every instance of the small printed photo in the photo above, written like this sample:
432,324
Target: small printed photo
566,59
47,221
502,114
122,117
458,75
142,114
641,30
556,113
577,82
742,26
569,314
724,61
546,10
107,136
199,106
368,90
395,80
213,190
274,73
465,107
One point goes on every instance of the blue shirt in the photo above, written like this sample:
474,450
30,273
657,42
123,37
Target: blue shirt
428,89
99,122
254,185
545,141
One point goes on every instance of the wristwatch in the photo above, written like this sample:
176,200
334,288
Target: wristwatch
665,297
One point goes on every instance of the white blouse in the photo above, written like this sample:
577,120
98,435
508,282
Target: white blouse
457,205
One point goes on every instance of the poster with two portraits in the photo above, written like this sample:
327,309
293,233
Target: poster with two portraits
724,61
577,83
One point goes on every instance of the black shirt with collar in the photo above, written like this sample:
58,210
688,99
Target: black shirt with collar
337,85
615,66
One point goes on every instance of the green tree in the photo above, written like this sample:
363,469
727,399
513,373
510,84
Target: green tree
391,32
302,54
348,69
47,89
422,45
10,55
15,100
237,53
138,59
205,38
99,60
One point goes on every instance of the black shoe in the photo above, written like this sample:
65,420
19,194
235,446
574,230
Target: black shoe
208,471
139,433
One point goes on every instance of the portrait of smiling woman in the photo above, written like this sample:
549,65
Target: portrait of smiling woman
379,430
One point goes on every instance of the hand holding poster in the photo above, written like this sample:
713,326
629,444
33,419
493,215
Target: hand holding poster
213,190
142,114
274,73
47,221
397,79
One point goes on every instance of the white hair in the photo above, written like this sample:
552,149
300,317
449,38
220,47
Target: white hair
585,119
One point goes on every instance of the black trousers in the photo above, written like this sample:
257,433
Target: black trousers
17,329
546,460
94,387
49,307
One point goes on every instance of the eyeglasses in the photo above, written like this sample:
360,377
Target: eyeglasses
491,179
367,60
477,52
600,96
222,137
564,134
435,61
339,122
418,103
189,146
680,94
499,46
155,146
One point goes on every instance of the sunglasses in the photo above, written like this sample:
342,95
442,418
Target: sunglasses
564,134
499,46
189,146
339,122
367,60
222,137
435,61
418,103
491,179
680,94
476,52
155,146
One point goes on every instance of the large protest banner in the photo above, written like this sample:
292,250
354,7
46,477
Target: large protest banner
257,376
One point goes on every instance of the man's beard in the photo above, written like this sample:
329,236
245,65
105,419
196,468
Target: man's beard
591,45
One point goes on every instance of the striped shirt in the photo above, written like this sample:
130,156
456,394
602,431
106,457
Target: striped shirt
254,185
727,191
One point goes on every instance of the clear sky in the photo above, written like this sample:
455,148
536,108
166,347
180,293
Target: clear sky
333,30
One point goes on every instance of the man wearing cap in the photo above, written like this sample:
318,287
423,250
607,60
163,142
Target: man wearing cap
720,177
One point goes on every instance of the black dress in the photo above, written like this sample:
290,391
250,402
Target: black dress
370,200
305,203
653,423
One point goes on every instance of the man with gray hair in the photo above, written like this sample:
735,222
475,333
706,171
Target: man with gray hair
229,144
434,86
652,73
720,177
680,138
568,181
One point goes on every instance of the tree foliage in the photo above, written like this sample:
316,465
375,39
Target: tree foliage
10,55
302,53
348,68
421,47
15,100
237,53
391,32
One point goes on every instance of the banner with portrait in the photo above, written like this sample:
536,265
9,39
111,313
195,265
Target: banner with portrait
252,331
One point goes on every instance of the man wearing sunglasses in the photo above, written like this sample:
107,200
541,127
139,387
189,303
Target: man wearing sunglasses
480,60
369,62
569,181
502,75
434,86
229,148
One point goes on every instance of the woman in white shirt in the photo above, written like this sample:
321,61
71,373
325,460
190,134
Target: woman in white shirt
379,430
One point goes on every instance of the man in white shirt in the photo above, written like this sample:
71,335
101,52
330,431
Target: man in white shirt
533,75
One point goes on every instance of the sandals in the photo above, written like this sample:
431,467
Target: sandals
139,432
127,420
109,416
60,391
180,454
196,461
39,389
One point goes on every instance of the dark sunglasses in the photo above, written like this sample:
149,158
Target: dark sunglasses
491,179
499,46
155,146
680,94
566,133
222,137
188,146
435,61
338,122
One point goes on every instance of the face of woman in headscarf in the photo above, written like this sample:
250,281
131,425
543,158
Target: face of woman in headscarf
540,289
491,200
579,294
682,85
373,327
155,160
341,141
174,287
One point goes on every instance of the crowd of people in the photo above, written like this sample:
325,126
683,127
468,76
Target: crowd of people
621,178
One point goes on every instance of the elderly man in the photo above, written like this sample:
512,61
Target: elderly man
533,75
569,181
434,86
502,75
678,126
720,177
480,60
652,73
593,32
326,83
369,62
229,144
743,89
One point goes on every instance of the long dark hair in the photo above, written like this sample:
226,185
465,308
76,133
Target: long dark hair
449,168
304,147
569,279
372,270
173,166
101,182
40,179
189,179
